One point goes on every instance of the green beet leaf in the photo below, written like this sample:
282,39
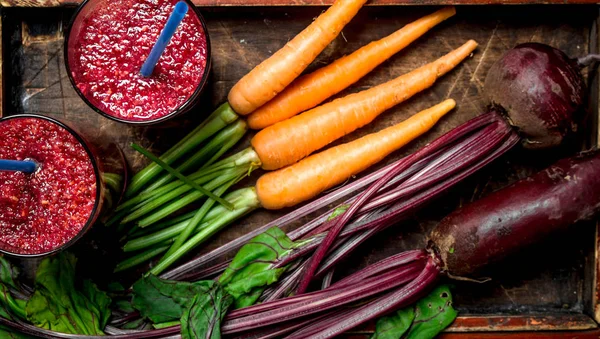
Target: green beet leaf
424,320
433,314
202,319
9,305
340,210
8,273
7,333
165,300
57,304
251,271
394,325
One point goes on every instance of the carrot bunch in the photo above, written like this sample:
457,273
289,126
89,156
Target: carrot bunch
273,97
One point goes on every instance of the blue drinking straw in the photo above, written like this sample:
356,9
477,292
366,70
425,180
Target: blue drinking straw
26,166
175,19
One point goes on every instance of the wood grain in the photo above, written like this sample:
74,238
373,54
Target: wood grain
250,3
546,282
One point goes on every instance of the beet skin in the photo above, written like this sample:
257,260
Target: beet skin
512,218
540,90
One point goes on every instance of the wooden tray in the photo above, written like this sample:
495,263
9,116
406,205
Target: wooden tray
552,287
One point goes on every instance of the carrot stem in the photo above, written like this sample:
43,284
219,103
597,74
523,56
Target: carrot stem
140,258
150,205
209,153
245,200
177,174
190,197
196,219
148,240
220,118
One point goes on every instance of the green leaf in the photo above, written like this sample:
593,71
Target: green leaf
203,318
58,305
165,300
10,306
8,273
340,210
115,287
135,324
394,325
8,333
423,320
251,270
432,314
124,306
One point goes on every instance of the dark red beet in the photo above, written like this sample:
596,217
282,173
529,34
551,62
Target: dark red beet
539,89
512,218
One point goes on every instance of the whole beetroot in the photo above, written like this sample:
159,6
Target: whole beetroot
512,218
540,90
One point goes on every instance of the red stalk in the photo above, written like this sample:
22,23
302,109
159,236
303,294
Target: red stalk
321,296
319,301
333,326
283,287
340,222
381,266
280,330
400,209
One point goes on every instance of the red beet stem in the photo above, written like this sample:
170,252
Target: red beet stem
588,60
503,130
333,326
316,302
280,330
500,131
402,208
381,266
284,286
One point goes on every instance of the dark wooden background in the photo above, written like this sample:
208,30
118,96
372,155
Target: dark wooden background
548,287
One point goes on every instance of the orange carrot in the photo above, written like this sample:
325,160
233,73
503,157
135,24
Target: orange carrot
310,90
290,140
304,180
274,74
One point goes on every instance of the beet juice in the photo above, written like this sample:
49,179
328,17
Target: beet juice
42,211
110,40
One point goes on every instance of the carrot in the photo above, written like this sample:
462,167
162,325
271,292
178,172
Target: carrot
290,140
271,76
313,175
310,90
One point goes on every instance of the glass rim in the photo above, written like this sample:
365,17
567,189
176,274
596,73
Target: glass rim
99,187
184,107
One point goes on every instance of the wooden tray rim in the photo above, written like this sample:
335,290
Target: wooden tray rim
250,3
578,324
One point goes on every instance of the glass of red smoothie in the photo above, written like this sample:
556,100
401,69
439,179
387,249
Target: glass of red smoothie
49,210
106,45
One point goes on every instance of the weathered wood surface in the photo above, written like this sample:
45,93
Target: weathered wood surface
555,279
218,3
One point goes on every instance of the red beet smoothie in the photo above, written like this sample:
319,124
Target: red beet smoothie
114,43
42,211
